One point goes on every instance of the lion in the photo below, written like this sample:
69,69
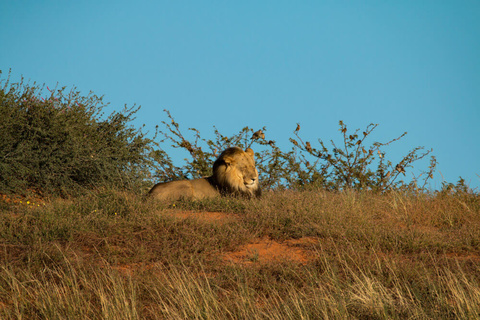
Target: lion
234,173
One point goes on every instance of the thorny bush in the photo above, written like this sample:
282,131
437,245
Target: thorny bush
354,165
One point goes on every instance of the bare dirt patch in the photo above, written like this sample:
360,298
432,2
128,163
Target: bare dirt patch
266,250
262,250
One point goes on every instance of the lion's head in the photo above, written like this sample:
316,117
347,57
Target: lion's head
234,172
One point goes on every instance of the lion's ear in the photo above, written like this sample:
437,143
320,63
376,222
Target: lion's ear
228,160
249,152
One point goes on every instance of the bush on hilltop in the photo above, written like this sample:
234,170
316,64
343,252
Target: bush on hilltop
62,143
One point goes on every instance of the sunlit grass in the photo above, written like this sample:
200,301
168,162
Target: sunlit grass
111,255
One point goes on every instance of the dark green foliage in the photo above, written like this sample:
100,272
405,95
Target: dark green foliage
62,143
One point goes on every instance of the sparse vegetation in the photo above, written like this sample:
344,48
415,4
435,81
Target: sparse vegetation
345,167
354,240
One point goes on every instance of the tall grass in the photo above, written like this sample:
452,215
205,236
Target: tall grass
111,255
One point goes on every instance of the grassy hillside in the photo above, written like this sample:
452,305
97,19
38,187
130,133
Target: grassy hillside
374,246
291,255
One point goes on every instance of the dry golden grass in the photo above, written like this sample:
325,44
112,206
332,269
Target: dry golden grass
289,255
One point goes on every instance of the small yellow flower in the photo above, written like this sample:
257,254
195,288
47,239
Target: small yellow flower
28,202
115,213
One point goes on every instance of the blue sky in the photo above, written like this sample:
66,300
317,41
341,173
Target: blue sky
407,65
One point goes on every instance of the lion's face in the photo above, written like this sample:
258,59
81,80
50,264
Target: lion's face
235,172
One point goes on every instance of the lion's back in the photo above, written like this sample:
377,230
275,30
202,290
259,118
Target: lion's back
187,189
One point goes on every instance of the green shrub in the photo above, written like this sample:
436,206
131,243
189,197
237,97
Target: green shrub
354,165
351,166
63,143
275,166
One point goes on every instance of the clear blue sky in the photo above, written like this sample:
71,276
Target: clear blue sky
407,65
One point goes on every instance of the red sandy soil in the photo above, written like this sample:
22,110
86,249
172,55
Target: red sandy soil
266,250
262,250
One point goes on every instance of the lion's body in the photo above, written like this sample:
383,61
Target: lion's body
189,189
234,173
